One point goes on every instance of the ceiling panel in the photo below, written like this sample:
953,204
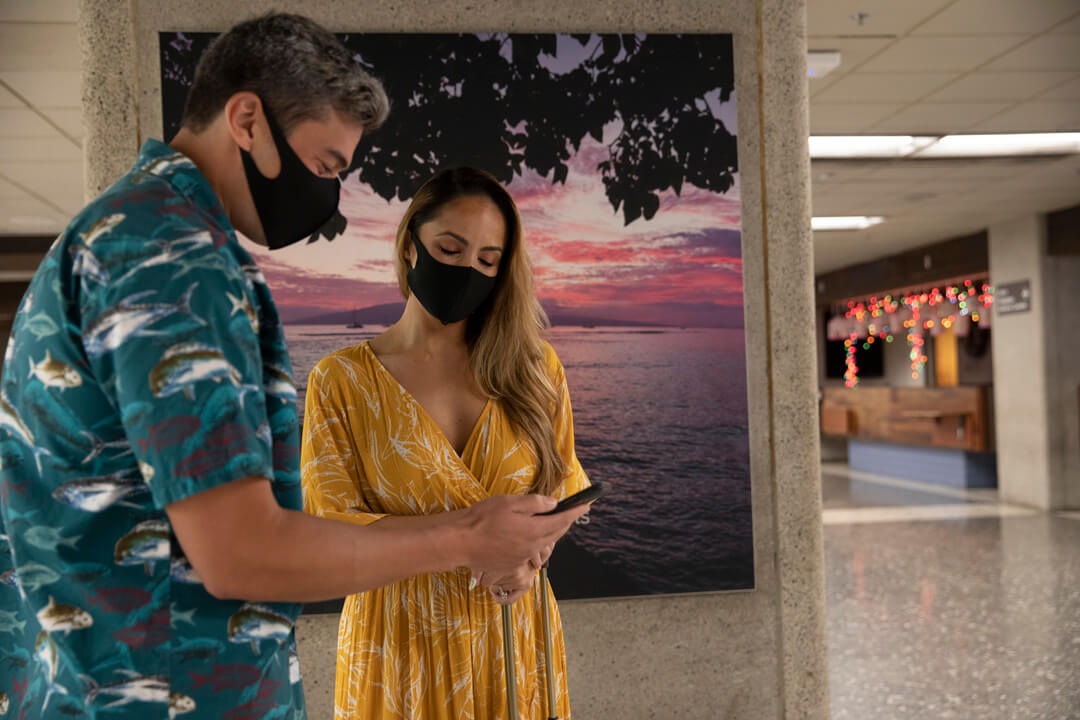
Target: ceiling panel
39,11
942,54
885,17
853,51
26,214
1036,116
34,46
883,87
839,119
994,169
999,86
937,118
69,120
1069,26
58,182
38,149
1069,90
976,17
46,88
7,100
1046,52
19,123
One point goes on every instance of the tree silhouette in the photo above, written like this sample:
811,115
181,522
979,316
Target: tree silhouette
503,103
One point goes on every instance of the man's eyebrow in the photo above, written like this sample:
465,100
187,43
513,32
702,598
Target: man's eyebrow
339,159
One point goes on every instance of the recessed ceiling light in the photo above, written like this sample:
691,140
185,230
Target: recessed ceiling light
820,63
942,146
867,146
846,222
1004,144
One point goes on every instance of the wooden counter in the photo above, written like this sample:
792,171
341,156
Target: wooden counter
960,418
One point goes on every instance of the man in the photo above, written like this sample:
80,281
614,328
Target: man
153,552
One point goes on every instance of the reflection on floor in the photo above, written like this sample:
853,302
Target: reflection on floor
944,604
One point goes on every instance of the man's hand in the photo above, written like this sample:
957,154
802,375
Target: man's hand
507,544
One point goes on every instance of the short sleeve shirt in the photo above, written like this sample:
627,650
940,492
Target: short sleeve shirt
146,364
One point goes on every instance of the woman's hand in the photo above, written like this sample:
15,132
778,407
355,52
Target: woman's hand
508,590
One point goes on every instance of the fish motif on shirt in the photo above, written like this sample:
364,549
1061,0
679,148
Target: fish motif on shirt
98,446
279,383
86,266
55,373
180,570
94,494
241,304
41,325
168,252
135,688
34,576
184,365
47,538
10,622
254,623
104,225
130,319
180,704
47,656
144,544
161,166
10,421
59,617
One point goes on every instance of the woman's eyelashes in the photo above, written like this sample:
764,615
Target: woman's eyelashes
454,253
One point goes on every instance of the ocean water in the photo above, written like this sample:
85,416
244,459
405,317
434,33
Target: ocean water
660,413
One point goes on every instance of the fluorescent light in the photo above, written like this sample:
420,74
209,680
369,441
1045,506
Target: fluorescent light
867,146
847,222
947,146
1003,144
820,63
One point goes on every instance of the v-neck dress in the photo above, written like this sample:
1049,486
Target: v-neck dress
427,647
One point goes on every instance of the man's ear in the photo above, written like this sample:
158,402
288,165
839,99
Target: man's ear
242,112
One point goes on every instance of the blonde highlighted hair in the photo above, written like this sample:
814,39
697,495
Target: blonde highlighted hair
507,351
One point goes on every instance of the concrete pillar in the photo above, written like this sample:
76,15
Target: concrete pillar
1036,374
756,654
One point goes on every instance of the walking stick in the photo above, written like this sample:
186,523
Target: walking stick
510,661
549,665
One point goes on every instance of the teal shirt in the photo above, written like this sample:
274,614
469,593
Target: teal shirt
146,364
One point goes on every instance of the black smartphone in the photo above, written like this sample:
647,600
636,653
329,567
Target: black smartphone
594,492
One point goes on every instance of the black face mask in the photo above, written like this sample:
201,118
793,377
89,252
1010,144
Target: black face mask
297,203
450,293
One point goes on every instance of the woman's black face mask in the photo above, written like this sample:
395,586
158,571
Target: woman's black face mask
450,293
297,203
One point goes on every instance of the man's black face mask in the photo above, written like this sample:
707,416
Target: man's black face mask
297,204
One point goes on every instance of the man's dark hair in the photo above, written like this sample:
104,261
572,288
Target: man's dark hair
297,68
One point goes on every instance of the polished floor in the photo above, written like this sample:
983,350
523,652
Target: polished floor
943,603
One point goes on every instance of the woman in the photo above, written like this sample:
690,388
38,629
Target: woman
460,400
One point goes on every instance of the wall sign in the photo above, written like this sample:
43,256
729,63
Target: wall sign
1014,297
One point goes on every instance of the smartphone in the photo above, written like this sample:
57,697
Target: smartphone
594,492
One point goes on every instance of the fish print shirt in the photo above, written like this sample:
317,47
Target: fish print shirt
146,365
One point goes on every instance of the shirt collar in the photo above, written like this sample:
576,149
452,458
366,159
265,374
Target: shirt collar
158,159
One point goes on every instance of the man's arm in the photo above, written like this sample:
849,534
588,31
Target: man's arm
244,545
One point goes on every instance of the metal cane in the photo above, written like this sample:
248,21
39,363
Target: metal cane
510,661
549,665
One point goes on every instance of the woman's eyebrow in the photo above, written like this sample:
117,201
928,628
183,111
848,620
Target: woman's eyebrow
465,242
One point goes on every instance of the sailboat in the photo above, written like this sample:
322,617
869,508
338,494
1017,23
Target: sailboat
355,324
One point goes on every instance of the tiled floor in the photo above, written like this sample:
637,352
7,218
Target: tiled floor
944,604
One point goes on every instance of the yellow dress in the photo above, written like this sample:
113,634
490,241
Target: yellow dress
428,647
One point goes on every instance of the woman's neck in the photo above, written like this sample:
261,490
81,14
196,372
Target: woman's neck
418,331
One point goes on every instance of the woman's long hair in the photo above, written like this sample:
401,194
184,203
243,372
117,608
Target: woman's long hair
507,352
